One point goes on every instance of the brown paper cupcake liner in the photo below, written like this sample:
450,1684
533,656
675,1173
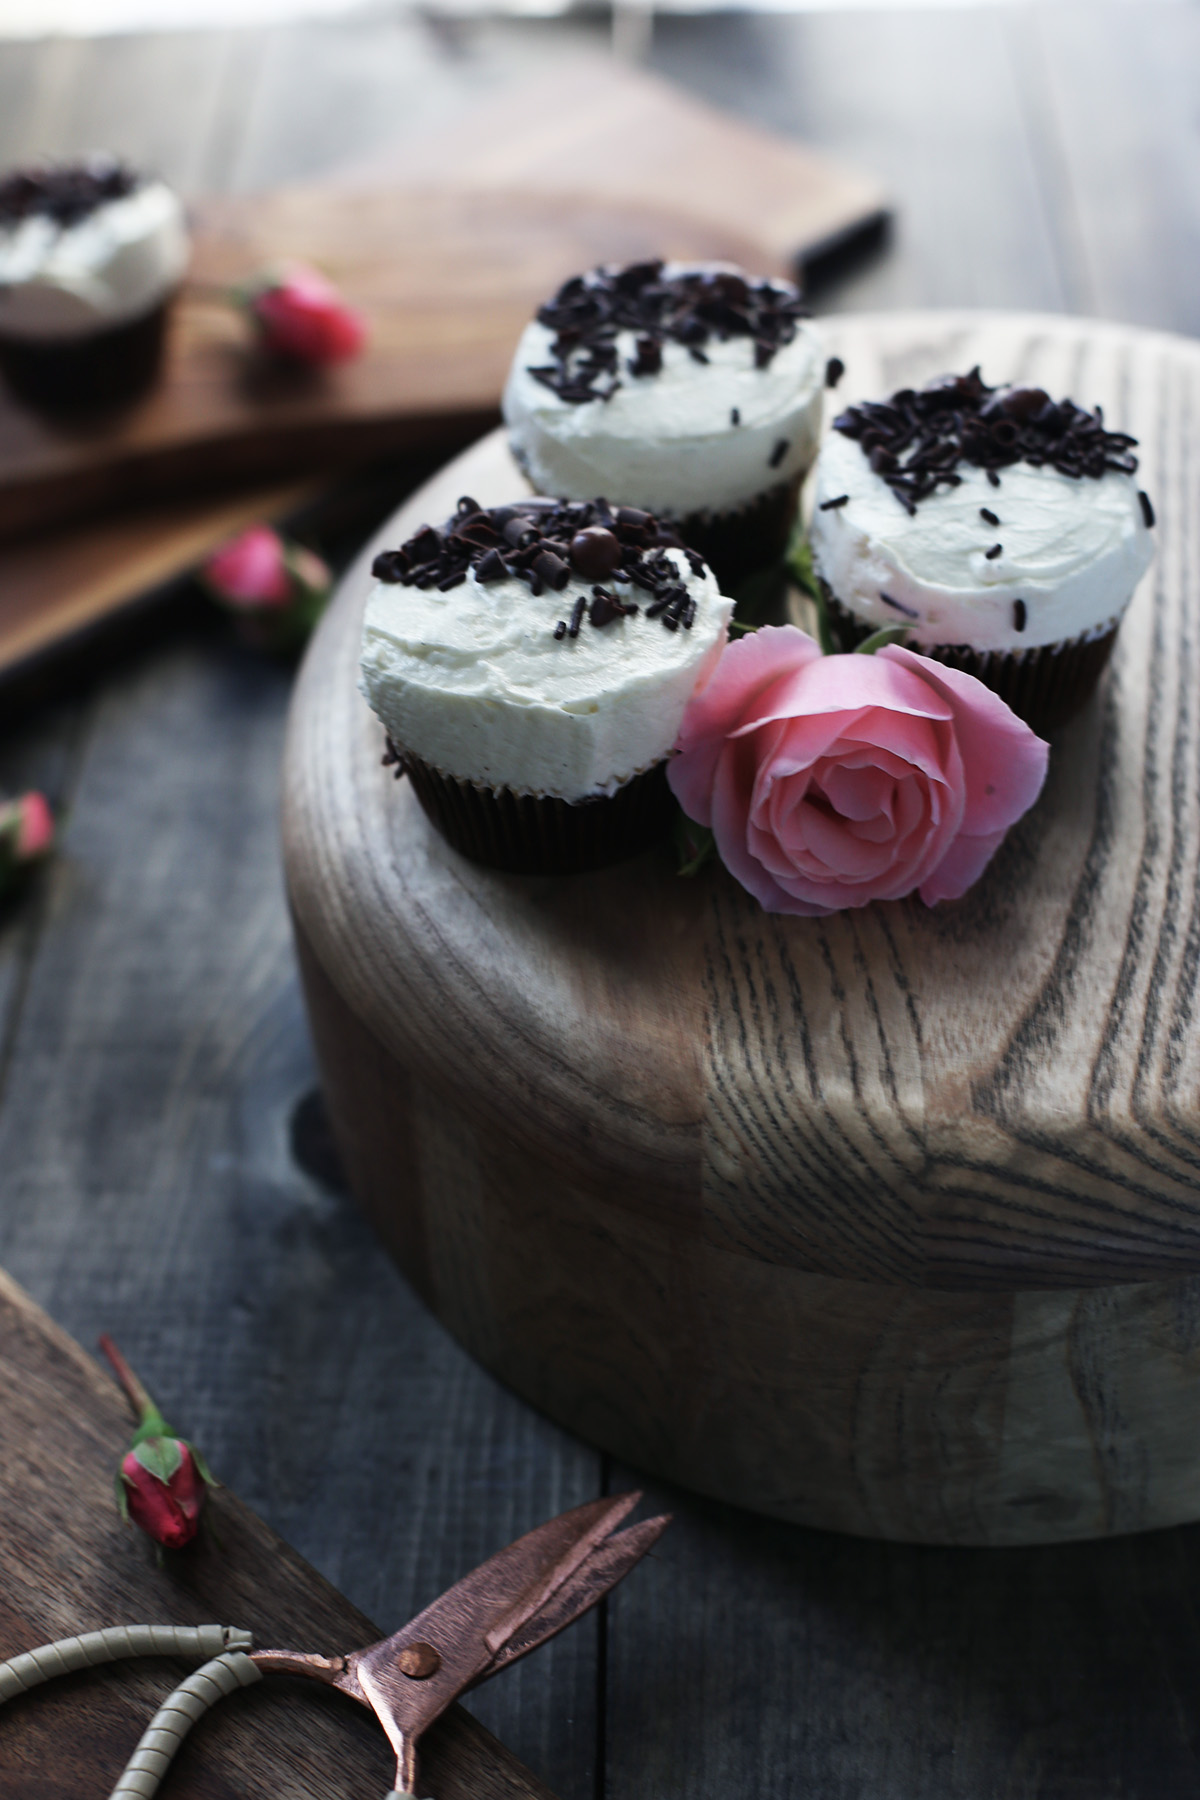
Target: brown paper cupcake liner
1045,685
92,374
536,834
743,540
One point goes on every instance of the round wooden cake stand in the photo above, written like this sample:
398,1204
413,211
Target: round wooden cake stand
887,1222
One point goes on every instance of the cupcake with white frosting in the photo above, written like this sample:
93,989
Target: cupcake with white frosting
1004,530
692,390
531,665
91,255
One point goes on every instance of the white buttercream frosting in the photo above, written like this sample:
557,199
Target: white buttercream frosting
475,682
110,267
667,441
1073,550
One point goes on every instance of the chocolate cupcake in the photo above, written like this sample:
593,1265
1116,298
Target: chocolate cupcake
90,257
690,389
531,664
1004,529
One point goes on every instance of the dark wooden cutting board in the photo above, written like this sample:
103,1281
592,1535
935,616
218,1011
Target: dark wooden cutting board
447,263
68,1564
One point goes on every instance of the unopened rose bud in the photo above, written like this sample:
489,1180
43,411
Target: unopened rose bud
26,835
300,316
163,1480
163,1490
275,589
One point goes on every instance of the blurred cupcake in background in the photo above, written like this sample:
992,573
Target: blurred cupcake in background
91,255
691,390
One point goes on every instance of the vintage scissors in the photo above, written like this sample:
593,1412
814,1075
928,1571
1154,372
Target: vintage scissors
493,1616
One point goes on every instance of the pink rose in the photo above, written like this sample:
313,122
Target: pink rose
26,835
276,589
250,570
831,781
302,316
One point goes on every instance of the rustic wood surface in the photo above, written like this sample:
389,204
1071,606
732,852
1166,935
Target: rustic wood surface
889,1247
447,248
152,1050
446,268
71,1565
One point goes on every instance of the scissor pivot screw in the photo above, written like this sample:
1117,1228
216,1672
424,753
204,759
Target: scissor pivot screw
418,1661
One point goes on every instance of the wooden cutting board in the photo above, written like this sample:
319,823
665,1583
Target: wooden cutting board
68,1564
886,1222
447,262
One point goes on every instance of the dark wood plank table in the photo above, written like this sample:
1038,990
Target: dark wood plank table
155,1072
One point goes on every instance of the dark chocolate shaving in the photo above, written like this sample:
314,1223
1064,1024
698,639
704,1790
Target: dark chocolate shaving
64,192
899,606
835,368
589,310
832,505
995,551
1020,614
782,446
541,542
1147,509
735,417
988,516
916,440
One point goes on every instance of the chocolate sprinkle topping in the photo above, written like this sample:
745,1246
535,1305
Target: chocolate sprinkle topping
916,440
735,417
589,310
988,516
908,611
832,505
995,551
1020,614
835,368
1147,509
64,192
544,543
778,453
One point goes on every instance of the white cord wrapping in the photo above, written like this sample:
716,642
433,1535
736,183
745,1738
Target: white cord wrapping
68,1654
175,1718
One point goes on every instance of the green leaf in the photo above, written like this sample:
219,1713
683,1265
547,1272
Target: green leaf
738,629
202,1469
694,844
160,1456
887,634
800,562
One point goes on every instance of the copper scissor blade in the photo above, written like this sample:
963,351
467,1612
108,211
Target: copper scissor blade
494,1601
607,1564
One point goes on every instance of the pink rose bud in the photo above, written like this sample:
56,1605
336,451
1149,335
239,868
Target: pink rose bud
250,570
300,315
163,1490
163,1480
276,589
832,781
26,835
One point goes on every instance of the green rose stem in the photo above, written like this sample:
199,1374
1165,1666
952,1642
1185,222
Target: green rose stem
163,1480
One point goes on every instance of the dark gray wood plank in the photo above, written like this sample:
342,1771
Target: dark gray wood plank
147,1187
930,102
747,1657
1121,83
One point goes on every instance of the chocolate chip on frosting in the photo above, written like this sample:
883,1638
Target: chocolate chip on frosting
690,308
916,440
544,542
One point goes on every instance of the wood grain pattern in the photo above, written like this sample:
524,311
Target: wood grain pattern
893,1215
55,586
70,1565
